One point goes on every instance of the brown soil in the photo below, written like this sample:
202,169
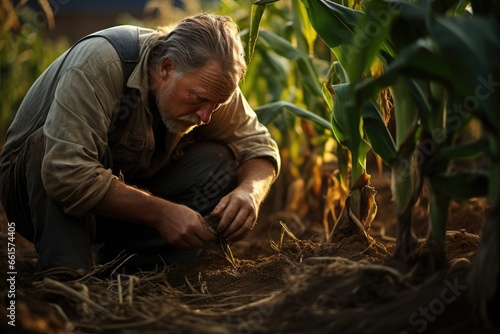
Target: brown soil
302,285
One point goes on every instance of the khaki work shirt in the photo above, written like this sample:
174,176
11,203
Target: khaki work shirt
76,101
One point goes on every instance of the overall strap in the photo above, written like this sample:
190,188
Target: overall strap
125,40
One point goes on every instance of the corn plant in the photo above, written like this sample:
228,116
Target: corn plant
362,48
360,210
24,55
444,70
284,83
433,60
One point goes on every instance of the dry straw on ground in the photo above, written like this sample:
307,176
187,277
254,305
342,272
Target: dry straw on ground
302,287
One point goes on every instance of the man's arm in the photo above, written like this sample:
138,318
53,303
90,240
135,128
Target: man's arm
240,208
178,224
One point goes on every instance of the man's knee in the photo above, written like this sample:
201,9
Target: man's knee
206,172
217,175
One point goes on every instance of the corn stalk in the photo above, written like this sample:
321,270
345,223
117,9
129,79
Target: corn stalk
336,25
283,82
436,55
325,17
427,62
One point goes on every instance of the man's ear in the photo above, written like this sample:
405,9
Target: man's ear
167,68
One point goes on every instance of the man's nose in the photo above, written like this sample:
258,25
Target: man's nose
205,112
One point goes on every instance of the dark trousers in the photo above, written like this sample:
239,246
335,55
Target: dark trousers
205,173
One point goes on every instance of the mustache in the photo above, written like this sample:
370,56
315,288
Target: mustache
195,120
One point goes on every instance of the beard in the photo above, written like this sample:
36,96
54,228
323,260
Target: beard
180,125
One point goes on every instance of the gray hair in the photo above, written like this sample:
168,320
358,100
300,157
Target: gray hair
199,39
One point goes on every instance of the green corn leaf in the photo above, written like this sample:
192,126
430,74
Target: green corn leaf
264,2
371,36
304,32
339,116
405,110
406,117
452,43
461,8
285,49
340,72
335,24
328,84
469,44
269,112
464,151
273,72
347,128
417,60
461,186
258,9
419,90
380,138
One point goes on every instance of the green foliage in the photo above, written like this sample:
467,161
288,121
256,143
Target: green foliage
335,24
24,55
442,75
282,62
434,56
444,45
441,66
284,83
269,112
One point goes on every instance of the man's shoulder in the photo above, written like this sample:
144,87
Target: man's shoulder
92,50
98,52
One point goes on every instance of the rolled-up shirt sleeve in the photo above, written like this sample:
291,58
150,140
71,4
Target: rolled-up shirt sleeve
236,124
75,135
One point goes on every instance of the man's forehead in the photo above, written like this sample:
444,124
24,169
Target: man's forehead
215,90
212,76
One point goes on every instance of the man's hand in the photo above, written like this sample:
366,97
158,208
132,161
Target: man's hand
239,214
240,208
184,228
179,225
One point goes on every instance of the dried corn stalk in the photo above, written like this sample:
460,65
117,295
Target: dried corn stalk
225,249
